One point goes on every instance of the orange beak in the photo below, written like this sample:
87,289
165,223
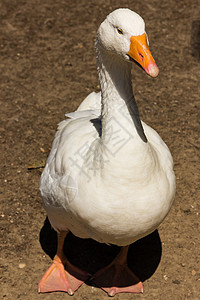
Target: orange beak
139,51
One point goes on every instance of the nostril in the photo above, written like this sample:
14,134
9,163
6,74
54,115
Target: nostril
141,56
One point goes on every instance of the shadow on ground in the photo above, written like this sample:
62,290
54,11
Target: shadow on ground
143,258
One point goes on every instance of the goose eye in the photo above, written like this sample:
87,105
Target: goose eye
120,31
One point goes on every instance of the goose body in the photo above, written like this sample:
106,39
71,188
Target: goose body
110,176
111,194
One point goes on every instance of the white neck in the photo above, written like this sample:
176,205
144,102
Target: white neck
119,109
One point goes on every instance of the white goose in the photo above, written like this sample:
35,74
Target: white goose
108,177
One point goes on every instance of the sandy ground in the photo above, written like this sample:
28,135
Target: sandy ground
47,68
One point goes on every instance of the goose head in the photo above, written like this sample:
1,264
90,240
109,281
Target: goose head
122,34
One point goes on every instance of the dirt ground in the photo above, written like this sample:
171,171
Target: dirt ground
47,68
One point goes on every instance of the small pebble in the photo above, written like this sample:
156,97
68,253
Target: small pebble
193,272
22,265
165,277
182,265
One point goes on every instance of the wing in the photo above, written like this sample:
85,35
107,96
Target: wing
91,102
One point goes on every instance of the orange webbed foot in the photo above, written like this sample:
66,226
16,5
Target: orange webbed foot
57,278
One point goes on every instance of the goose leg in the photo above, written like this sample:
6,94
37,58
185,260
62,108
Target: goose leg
62,275
117,277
